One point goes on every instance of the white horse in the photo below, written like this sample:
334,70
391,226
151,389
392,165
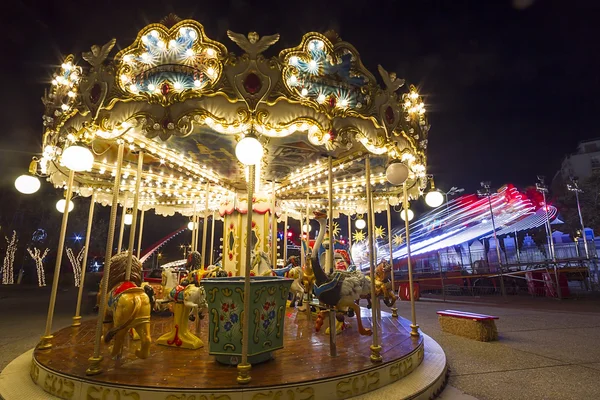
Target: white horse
297,290
261,264
191,295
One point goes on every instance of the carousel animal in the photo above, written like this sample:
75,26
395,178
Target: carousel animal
296,290
188,300
128,306
261,264
341,289
383,285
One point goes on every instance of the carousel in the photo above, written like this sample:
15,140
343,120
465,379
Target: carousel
178,123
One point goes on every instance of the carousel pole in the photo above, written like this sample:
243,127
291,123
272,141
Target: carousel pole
139,246
349,232
46,343
273,229
306,255
122,229
389,221
205,225
86,246
194,225
244,367
414,328
285,231
375,347
212,237
94,367
332,328
134,212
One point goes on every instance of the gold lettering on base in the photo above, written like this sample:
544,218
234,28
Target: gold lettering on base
404,367
59,387
357,385
101,393
34,372
307,393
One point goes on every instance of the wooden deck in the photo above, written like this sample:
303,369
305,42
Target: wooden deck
304,358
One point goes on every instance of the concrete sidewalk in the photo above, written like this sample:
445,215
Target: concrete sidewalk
542,353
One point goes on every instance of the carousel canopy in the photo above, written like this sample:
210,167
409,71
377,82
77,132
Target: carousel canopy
186,101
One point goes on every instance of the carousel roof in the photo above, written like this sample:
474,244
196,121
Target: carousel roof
185,101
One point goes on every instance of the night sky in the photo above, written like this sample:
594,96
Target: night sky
510,86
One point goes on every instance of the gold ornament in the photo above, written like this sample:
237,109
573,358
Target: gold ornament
398,240
379,232
358,236
336,229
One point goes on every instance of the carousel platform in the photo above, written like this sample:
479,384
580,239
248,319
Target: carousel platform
412,368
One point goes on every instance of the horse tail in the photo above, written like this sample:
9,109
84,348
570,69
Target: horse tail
112,332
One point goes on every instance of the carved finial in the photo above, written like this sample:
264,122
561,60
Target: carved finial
253,44
170,20
98,54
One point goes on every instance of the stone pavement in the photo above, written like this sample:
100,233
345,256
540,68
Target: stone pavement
547,349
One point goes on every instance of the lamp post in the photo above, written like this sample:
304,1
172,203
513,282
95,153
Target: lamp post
543,189
574,187
486,193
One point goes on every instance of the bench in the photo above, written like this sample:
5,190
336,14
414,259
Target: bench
470,325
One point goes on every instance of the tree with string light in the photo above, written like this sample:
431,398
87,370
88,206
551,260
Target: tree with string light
38,257
76,264
9,259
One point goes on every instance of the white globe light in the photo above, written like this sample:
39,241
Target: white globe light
396,173
410,213
78,158
128,219
27,184
434,198
360,224
191,225
60,205
249,150
306,228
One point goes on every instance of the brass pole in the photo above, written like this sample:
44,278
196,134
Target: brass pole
122,229
194,229
77,317
349,232
389,221
205,224
330,213
414,328
273,229
212,237
139,246
45,342
306,255
134,212
94,367
375,347
285,230
244,367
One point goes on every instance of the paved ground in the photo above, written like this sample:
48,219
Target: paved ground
547,349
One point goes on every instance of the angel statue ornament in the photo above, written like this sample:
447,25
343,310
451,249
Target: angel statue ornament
98,54
253,45
391,82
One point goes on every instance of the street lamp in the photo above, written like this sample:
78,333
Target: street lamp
574,187
485,192
543,189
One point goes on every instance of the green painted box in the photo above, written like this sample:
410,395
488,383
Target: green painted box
225,296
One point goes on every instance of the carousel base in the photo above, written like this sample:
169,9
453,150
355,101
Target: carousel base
412,368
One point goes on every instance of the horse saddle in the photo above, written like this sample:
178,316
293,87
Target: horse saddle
335,278
282,271
177,293
117,291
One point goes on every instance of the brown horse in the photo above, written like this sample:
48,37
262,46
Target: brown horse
383,285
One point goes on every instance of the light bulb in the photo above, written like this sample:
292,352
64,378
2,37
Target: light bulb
360,223
249,150
434,198
60,205
396,173
27,184
128,219
78,158
408,212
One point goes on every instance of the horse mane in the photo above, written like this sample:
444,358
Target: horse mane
118,270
